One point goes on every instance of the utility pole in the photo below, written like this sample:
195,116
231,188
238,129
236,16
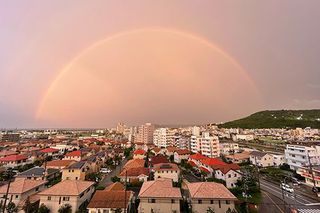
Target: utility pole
311,171
125,193
257,170
7,192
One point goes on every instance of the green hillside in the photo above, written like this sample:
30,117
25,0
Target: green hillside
278,119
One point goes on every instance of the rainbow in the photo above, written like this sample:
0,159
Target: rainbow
129,33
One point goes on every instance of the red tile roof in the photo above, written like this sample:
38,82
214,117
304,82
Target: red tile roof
49,150
74,153
197,156
110,199
212,161
226,168
192,163
158,159
204,169
134,172
160,188
139,152
13,158
183,151
166,167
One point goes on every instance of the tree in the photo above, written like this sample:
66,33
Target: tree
171,158
115,179
66,208
118,210
28,207
210,210
11,208
43,209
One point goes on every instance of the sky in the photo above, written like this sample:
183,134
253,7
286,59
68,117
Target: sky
95,63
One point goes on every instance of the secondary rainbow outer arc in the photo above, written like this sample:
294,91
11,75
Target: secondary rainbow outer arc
128,33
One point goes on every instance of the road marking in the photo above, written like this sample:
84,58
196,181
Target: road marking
273,202
281,194
267,184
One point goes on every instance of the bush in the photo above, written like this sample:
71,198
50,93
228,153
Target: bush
100,187
115,179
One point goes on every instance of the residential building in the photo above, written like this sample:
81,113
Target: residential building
206,145
39,173
230,173
134,163
50,152
228,148
20,190
239,157
299,156
206,196
113,198
313,178
13,161
261,159
75,171
59,164
157,159
181,154
278,159
145,134
72,192
74,155
166,170
139,154
159,196
132,175
164,137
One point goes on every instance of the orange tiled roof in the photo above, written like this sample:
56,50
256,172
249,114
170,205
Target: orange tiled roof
68,187
134,163
134,172
197,156
209,190
60,163
161,188
226,168
21,185
13,158
212,161
110,199
165,167
139,152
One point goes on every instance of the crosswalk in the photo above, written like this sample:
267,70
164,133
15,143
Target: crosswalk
311,210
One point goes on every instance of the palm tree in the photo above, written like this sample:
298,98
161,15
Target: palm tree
66,208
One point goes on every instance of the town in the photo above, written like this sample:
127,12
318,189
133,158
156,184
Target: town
151,168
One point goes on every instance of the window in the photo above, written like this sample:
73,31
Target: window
172,201
211,201
49,198
200,201
151,200
17,196
219,204
229,175
66,198
227,201
235,175
37,189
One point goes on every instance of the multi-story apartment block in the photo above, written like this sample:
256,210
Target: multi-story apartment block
164,137
183,142
228,148
205,144
145,134
312,179
299,156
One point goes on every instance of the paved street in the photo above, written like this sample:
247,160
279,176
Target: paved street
274,193
106,180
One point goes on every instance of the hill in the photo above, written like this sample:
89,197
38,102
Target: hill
278,119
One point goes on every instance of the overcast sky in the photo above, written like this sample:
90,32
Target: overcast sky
155,61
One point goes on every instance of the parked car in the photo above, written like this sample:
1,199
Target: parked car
105,170
295,181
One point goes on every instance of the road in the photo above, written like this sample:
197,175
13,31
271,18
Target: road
285,200
106,180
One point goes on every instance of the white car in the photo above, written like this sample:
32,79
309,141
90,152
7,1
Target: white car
105,170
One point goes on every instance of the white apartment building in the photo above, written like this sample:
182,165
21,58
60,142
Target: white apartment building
298,156
164,137
205,144
228,148
243,137
145,134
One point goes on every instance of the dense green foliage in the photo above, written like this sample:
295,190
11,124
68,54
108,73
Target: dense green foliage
278,119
